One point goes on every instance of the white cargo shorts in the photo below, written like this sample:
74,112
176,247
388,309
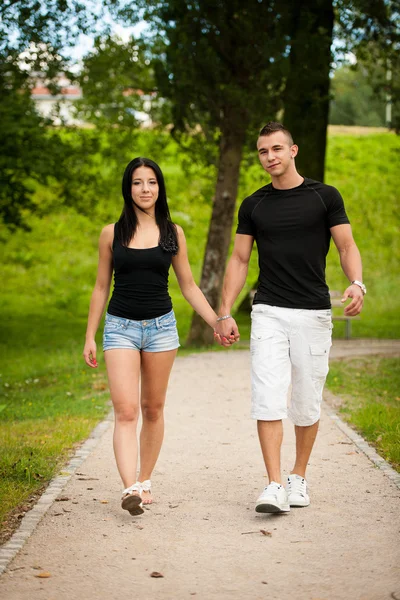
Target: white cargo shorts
289,346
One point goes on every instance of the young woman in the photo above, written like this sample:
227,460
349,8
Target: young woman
140,339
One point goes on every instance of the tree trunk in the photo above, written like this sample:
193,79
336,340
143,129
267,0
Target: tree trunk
220,231
307,88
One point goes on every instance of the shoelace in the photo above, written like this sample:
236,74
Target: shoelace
272,489
297,486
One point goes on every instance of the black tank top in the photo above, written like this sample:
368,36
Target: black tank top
140,282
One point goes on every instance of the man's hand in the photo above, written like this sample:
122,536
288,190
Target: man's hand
227,332
355,306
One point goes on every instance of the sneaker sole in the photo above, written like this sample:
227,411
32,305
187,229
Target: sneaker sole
133,504
299,504
272,508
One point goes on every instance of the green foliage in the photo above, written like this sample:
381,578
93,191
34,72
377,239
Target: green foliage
32,35
369,388
354,101
206,66
370,29
363,169
116,82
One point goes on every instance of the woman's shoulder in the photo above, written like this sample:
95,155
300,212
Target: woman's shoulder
179,230
108,230
107,233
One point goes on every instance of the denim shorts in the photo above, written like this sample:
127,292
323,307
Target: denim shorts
151,335
289,346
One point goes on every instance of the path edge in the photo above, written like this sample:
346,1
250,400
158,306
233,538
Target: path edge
362,444
33,517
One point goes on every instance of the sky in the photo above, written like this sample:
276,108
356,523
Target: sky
85,43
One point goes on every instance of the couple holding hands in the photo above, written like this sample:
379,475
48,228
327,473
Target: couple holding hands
292,220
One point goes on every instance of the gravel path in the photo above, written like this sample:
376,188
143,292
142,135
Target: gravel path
203,534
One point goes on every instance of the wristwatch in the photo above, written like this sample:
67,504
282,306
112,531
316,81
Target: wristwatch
360,285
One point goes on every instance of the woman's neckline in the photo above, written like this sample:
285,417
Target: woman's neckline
151,248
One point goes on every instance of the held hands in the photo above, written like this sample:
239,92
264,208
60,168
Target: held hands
89,354
356,304
226,332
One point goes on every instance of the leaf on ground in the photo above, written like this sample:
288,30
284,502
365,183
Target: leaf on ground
265,532
104,501
156,574
63,499
173,505
43,575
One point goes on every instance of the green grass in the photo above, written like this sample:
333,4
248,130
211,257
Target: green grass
47,276
370,388
49,403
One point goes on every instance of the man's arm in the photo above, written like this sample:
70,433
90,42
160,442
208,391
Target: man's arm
350,261
235,278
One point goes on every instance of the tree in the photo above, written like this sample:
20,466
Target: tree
307,87
115,79
358,25
32,35
370,29
353,99
221,67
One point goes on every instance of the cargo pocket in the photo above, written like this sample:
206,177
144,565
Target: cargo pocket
320,358
261,342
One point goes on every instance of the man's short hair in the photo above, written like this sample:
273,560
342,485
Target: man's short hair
274,126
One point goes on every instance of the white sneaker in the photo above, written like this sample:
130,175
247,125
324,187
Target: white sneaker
273,499
297,491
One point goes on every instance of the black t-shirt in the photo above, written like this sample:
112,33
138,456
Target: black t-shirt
292,231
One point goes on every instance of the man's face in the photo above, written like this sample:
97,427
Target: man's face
275,153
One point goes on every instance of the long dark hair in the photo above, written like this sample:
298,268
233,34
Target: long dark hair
128,221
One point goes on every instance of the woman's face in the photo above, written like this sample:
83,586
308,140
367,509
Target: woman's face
144,188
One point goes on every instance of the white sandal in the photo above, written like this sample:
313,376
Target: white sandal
146,486
133,502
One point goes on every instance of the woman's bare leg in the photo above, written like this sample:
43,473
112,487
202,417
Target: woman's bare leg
156,368
123,370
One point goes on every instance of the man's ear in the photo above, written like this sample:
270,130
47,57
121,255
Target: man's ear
294,151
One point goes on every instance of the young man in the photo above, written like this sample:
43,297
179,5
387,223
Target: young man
292,220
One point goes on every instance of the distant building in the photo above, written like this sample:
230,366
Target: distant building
61,104
60,107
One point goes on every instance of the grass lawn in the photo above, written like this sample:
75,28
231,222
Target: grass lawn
370,390
49,403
